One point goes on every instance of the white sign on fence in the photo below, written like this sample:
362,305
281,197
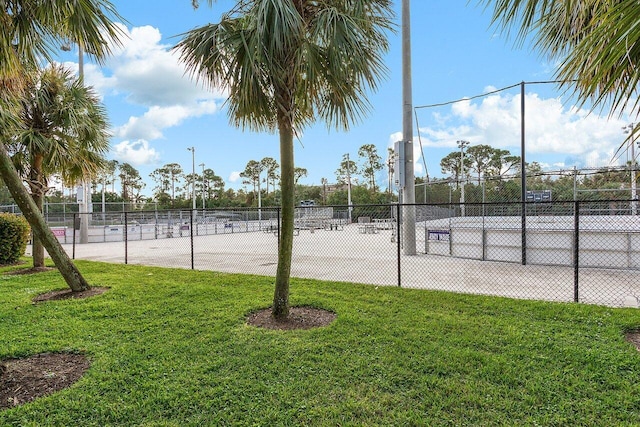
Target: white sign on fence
440,235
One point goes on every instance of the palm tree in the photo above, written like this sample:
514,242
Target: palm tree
30,30
64,132
286,63
596,43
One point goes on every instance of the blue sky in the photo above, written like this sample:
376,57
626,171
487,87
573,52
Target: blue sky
156,112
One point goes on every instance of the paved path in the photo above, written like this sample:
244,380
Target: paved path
349,256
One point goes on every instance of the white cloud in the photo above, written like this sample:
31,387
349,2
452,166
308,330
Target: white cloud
551,127
234,176
145,72
149,126
135,152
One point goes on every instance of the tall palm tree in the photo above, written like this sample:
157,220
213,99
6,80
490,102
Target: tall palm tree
64,132
597,43
29,31
286,63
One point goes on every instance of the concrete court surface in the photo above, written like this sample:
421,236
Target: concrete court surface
350,256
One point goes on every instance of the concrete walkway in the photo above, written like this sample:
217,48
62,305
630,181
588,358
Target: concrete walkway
350,256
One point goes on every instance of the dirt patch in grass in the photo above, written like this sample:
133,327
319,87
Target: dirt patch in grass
634,338
24,380
32,270
69,294
299,318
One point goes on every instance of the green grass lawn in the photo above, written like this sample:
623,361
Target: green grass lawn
171,347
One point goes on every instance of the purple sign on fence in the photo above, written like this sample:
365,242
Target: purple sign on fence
58,232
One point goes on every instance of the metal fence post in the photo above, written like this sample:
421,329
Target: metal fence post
191,227
73,246
278,226
524,231
576,250
126,239
398,233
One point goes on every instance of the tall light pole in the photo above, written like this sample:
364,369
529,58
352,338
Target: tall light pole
408,190
349,186
193,176
203,189
83,199
259,195
461,145
630,130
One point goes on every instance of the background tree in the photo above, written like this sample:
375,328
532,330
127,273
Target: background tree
107,175
29,32
166,177
64,131
214,184
502,162
324,182
5,196
271,167
286,63
299,173
450,164
163,184
251,175
372,163
480,157
131,181
391,162
347,168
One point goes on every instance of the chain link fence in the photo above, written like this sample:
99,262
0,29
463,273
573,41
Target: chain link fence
582,251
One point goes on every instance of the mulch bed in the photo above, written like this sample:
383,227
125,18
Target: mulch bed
32,270
24,380
299,318
69,294
634,338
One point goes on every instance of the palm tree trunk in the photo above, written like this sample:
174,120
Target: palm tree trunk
280,308
23,199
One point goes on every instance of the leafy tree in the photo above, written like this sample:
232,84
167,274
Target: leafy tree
107,174
348,168
480,158
251,174
271,167
131,182
213,184
595,43
299,173
64,131
391,158
5,196
502,162
30,30
450,164
286,63
372,163
166,177
324,183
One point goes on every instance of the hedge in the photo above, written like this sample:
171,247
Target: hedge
14,235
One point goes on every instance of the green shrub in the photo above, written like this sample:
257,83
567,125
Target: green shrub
14,234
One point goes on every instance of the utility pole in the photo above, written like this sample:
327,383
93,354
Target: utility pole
462,144
408,190
259,196
203,193
349,186
84,198
193,176
630,130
